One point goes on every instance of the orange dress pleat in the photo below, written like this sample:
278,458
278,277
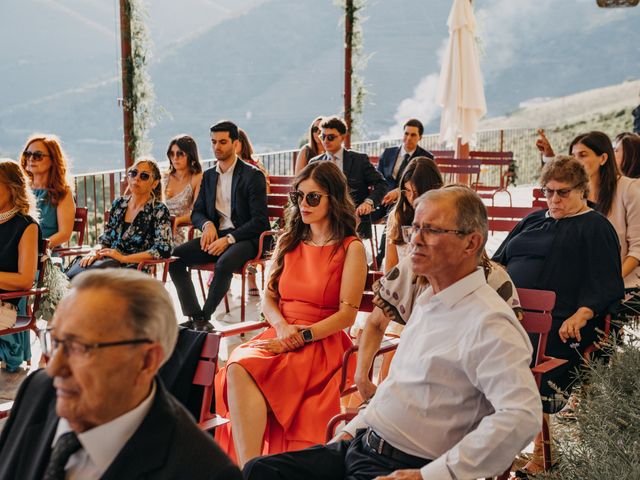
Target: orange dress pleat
300,387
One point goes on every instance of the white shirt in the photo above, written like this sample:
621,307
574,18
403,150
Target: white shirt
459,390
101,445
337,158
223,196
399,160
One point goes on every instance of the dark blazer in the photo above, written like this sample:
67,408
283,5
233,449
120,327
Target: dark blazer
363,179
249,212
388,160
167,445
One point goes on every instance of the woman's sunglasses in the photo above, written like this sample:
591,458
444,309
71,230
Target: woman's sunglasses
37,156
312,198
133,173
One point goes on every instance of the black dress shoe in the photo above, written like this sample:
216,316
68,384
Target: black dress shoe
203,325
188,324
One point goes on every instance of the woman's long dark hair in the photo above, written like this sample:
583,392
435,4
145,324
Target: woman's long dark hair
630,154
311,141
188,145
342,214
424,174
600,143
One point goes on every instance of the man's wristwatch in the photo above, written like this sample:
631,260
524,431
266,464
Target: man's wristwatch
230,239
307,335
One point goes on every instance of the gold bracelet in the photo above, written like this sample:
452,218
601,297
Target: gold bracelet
349,304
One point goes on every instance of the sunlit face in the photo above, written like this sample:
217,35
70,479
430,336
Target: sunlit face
332,140
589,159
41,166
562,207
95,387
178,158
410,192
139,186
618,150
308,213
433,254
224,149
315,131
411,138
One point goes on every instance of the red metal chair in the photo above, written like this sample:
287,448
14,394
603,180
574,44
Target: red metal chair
503,161
503,219
539,200
79,228
459,170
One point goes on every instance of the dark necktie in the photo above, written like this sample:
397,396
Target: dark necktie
65,446
403,164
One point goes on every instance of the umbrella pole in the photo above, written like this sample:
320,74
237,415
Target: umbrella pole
462,151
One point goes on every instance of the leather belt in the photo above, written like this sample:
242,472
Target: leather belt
376,443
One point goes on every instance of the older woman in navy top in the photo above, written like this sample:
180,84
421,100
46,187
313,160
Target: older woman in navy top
139,226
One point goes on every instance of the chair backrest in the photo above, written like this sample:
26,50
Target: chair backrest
537,306
280,180
455,170
442,154
503,219
366,304
280,189
492,158
80,223
206,373
539,200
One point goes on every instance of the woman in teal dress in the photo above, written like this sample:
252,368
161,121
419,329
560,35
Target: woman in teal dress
44,162
18,252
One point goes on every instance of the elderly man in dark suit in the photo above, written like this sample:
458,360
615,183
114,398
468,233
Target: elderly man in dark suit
366,185
391,165
99,410
231,210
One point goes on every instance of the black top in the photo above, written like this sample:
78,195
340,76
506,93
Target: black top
582,266
11,233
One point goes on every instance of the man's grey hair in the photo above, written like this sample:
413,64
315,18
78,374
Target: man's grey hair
150,312
471,212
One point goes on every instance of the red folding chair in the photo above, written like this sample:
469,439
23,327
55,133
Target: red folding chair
503,219
501,160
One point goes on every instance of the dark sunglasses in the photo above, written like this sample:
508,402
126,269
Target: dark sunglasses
133,173
315,129
562,192
331,137
312,198
37,156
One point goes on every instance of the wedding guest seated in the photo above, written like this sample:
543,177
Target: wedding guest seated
99,410
312,148
573,251
460,400
45,164
181,184
139,226
18,257
627,151
281,388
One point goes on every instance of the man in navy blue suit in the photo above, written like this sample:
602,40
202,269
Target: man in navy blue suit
231,210
391,165
366,185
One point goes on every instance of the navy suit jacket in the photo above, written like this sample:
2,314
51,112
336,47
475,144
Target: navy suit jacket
167,444
388,160
249,212
363,179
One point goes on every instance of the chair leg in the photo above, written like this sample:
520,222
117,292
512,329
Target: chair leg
546,442
165,272
374,260
242,294
204,294
226,303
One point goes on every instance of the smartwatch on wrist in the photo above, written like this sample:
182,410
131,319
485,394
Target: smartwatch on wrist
230,239
307,335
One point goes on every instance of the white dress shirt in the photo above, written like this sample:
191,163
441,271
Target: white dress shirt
459,390
337,158
223,196
399,160
101,445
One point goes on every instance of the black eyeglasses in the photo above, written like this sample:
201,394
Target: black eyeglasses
409,231
37,156
562,192
313,198
133,173
51,344
331,137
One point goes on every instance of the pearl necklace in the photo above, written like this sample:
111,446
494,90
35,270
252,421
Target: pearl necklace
4,216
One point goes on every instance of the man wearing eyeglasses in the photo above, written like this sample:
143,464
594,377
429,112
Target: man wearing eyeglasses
231,210
459,400
366,185
99,410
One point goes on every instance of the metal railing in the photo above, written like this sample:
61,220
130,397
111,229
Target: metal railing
96,191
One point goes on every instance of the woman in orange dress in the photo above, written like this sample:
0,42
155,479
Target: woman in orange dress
281,388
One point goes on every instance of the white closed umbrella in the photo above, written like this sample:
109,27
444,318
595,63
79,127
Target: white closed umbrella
461,91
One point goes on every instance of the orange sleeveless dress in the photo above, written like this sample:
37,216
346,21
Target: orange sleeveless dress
300,387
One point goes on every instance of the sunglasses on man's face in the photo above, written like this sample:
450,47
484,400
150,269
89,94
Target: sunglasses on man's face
312,198
330,137
133,173
37,156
